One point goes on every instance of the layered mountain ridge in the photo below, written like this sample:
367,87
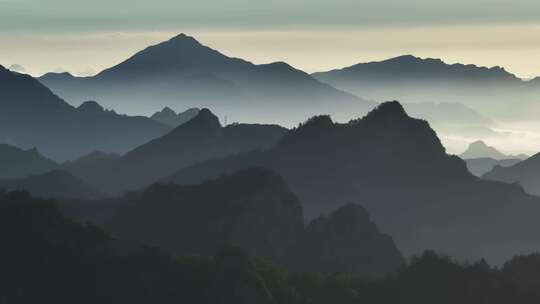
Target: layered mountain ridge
396,167
181,72
32,116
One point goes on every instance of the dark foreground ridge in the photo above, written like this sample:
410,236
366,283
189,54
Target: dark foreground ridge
51,257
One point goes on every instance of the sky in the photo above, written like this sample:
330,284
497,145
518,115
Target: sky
84,37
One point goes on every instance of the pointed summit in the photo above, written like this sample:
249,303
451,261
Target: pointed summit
205,117
183,38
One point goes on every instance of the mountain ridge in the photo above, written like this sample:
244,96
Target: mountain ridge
183,73
397,168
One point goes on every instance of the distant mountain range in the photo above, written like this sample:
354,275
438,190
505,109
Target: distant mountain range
481,166
396,167
183,73
480,149
526,173
197,140
52,184
168,117
412,79
32,116
18,163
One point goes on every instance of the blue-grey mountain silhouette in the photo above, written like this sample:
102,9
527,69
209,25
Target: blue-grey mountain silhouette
526,173
255,210
396,167
168,117
345,241
18,163
52,184
197,140
480,149
183,73
481,166
32,116
412,79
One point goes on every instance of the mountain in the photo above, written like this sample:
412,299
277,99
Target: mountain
53,184
183,73
412,79
32,116
18,163
481,166
396,167
254,209
197,140
168,117
345,241
480,149
526,173
42,250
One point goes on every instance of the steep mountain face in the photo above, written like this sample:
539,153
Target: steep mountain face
481,166
197,140
53,184
412,79
345,241
396,167
251,209
168,117
526,173
18,163
32,116
183,73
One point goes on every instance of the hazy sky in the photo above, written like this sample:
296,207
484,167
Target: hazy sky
87,36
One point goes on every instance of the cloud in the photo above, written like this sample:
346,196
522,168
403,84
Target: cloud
244,14
17,68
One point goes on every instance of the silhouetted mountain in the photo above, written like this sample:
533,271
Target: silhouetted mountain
252,209
396,167
183,73
480,149
416,68
197,140
46,256
168,117
32,116
345,241
255,210
481,166
411,79
53,184
526,173
17,163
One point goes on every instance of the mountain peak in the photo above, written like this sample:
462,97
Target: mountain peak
388,110
183,40
204,119
480,149
168,110
91,107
